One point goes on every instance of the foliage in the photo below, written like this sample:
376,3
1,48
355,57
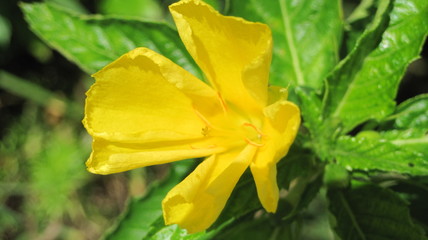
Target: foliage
358,150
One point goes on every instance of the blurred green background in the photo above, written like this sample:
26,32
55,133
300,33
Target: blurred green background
45,190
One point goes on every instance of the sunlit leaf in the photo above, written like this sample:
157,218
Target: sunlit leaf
306,36
365,84
144,9
93,41
413,113
382,153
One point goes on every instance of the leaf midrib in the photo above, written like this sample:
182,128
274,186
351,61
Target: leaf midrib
290,42
351,216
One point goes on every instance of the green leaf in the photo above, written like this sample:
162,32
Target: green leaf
362,11
341,81
93,42
364,85
382,153
297,166
357,22
310,107
310,104
145,9
251,228
306,36
72,5
174,232
336,176
143,214
413,139
413,113
371,212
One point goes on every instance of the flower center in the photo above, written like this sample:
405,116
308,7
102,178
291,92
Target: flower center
231,127
253,135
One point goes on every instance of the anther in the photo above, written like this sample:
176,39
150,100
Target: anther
222,103
260,133
203,118
253,143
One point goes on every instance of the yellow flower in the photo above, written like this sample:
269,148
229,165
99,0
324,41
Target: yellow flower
145,110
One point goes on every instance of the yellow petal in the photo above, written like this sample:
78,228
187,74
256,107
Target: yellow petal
280,127
196,202
234,54
111,157
143,96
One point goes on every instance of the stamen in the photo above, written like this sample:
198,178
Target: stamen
253,143
203,118
255,128
222,103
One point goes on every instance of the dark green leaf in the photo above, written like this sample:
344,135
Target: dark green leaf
5,32
370,212
364,85
251,228
357,22
143,213
306,37
93,42
362,11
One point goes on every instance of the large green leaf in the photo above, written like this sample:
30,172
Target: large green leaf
306,37
143,214
370,212
365,84
143,9
412,139
341,80
93,42
403,152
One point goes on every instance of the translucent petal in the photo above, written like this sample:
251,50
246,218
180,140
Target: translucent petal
280,127
234,54
143,96
112,157
197,201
